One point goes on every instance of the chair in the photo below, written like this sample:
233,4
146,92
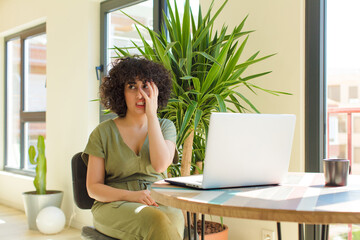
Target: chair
84,201
82,198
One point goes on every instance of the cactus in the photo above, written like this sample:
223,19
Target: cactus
40,177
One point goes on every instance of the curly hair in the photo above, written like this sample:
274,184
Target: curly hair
130,69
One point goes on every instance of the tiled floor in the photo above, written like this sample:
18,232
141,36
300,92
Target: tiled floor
13,226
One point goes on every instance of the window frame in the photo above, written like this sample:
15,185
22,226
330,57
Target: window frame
25,117
315,92
112,5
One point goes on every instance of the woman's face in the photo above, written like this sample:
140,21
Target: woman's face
135,102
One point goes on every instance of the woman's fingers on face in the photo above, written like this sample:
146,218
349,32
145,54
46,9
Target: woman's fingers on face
143,93
151,90
156,89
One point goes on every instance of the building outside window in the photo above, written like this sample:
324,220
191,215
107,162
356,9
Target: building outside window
25,95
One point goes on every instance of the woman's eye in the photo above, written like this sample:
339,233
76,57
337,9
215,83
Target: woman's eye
131,87
145,86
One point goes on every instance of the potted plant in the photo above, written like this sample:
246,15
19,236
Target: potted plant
34,201
207,71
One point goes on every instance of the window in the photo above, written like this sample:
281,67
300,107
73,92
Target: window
25,95
327,65
353,92
119,30
334,93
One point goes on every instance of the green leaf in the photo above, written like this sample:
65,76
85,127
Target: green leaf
271,91
215,70
197,119
254,76
208,57
32,154
247,101
197,84
247,63
188,116
221,103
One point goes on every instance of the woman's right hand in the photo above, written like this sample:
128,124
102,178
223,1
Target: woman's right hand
143,197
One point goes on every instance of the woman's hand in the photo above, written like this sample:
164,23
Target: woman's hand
151,100
142,197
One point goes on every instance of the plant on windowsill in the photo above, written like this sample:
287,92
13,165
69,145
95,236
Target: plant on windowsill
207,73
34,201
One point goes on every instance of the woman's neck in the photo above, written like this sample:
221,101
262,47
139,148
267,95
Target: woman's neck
135,121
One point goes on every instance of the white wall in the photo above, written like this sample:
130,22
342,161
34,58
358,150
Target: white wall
279,28
73,53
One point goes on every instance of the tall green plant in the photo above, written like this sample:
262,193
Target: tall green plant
40,162
206,68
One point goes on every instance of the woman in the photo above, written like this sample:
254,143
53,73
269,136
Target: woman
126,154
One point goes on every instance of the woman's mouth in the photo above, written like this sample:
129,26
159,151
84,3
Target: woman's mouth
140,104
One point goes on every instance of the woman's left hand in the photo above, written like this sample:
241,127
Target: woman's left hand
151,100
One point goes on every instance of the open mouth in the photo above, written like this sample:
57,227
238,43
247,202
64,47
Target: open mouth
140,104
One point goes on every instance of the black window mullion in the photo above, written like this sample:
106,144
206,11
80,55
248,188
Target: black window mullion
315,92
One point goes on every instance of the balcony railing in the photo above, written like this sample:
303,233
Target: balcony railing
349,116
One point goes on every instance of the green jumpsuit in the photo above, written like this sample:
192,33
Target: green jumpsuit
126,170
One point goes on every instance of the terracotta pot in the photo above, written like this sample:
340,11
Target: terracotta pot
223,235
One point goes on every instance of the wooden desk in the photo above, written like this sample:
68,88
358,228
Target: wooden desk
302,198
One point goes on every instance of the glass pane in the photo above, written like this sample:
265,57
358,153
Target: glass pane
35,74
343,81
194,5
121,29
13,91
31,132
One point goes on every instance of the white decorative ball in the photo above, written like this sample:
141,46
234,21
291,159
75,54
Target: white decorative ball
50,220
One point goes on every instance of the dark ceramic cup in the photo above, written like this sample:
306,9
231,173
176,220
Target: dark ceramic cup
336,172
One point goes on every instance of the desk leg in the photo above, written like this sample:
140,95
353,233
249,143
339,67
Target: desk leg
195,227
301,231
278,230
189,224
324,232
202,226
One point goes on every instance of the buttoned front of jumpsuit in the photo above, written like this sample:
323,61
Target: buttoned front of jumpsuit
126,170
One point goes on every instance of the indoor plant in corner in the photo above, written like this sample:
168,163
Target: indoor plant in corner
34,201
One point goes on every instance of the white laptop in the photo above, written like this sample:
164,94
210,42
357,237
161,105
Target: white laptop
244,150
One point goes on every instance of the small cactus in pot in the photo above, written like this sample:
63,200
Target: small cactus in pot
35,201
40,162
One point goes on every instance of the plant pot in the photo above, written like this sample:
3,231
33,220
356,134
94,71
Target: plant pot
34,202
209,235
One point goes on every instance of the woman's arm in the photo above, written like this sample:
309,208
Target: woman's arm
161,151
104,193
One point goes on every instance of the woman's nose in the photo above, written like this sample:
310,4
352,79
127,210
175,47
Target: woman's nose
138,94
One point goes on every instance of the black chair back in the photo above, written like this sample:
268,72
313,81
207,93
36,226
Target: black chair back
79,169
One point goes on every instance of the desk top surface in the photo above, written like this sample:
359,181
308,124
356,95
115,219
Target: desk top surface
301,198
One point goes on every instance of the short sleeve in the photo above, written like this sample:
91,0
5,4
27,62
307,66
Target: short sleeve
94,146
169,132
